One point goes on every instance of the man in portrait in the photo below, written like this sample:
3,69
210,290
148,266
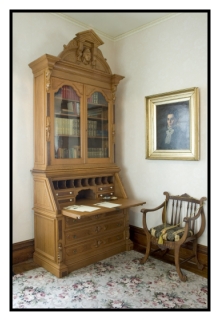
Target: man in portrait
174,134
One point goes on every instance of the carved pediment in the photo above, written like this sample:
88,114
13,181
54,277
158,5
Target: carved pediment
89,36
83,50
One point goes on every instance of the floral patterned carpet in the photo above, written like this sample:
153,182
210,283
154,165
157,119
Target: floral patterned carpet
119,282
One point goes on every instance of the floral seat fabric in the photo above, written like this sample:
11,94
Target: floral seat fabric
169,232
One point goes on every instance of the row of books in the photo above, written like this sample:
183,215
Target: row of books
97,152
92,128
73,152
67,126
93,131
97,98
98,113
98,133
74,107
67,92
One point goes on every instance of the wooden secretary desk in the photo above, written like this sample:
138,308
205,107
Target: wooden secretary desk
74,169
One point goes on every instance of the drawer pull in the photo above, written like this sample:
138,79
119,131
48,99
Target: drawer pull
71,199
57,194
111,187
100,188
74,251
97,229
98,243
71,192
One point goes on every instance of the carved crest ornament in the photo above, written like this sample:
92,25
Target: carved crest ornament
82,52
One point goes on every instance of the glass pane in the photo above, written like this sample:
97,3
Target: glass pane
97,125
67,123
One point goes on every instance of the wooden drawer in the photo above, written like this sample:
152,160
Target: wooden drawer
71,222
104,189
100,195
64,193
64,202
97,243
77,235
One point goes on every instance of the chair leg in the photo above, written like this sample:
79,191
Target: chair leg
147,253
182,276
199,265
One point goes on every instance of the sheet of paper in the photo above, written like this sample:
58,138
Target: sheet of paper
82,208
107,204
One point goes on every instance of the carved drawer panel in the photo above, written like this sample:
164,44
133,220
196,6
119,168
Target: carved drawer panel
77,235
71,222
93,245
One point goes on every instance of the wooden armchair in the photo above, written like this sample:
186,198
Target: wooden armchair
183,221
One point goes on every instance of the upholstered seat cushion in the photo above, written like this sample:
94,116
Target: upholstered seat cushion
170,233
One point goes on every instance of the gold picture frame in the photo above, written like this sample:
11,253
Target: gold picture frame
173,125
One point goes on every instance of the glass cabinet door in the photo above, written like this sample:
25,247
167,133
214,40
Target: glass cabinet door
67,124
97,126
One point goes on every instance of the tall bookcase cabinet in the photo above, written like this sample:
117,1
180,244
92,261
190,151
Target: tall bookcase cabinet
74,168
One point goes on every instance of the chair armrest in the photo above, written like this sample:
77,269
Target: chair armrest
189,221
193,218
145,210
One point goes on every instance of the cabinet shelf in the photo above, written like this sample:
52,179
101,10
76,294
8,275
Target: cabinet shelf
62,135
98,118
65,99
93,105
98,137
67,114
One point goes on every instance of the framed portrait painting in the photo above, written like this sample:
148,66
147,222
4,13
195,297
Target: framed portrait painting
173,125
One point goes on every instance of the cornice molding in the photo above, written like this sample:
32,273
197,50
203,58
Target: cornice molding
122,36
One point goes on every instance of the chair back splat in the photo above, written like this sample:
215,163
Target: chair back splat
182,221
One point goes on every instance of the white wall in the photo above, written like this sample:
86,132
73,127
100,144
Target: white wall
168,56
164,57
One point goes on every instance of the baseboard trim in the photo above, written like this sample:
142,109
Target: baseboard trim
138,237
22,251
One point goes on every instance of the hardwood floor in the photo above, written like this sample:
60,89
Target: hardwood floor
24,266
30,265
